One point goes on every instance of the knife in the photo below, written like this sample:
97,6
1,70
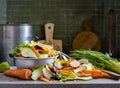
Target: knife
113,74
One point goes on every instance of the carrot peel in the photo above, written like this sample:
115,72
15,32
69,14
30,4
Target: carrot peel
35,51
97,73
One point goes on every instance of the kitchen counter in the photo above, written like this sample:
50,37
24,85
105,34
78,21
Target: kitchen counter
11,82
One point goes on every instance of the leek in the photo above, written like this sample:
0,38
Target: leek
98,59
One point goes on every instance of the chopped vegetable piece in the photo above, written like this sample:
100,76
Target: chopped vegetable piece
83,61
47,74
65,72
88,66
44,56
35,51
27,52
4,66
71,76
46,80
97,74
80,69
74,63
37,73
58,64
84,78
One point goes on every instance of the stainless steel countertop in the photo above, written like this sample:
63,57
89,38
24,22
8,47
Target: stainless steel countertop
11,82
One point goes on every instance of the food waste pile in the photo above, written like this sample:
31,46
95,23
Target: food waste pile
82,65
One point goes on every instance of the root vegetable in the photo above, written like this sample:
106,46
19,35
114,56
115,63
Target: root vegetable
27,52
65,72
58,64
47,73
89,66
81,68
19,73
97,74
74,63
35,51
36,73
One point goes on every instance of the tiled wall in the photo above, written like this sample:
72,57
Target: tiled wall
67,15
116,6
2,11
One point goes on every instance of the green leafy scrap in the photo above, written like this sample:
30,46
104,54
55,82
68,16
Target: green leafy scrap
98,59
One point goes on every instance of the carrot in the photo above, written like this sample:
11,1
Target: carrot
46,80
68,68
64,71
97,73
35,51
19,73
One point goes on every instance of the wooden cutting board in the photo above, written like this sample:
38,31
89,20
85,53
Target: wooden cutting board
49,30
87,39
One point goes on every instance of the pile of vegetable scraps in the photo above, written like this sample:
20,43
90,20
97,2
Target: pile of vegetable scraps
83,65
34,50
60,70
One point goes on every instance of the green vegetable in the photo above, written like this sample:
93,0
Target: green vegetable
16,51
63,63
98,59
36,73
67,77
23,45
59,76
4,66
